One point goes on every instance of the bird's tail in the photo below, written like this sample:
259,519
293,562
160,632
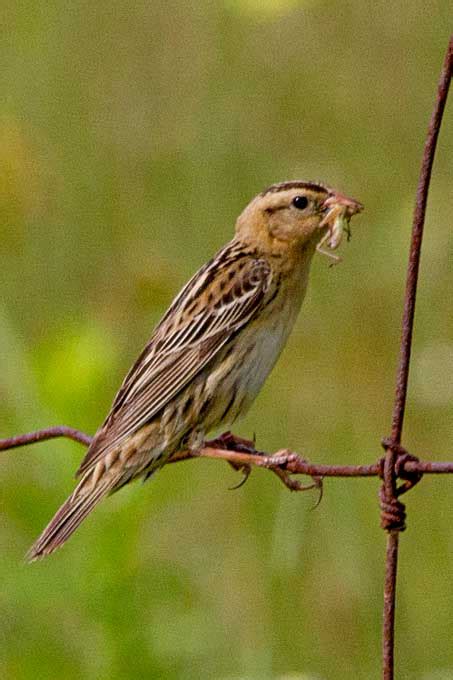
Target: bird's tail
71,514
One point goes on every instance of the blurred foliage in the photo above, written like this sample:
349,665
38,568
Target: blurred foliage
131,135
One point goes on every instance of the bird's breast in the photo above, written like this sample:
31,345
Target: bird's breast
237,379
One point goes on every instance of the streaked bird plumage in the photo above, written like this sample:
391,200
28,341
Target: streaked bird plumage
212,351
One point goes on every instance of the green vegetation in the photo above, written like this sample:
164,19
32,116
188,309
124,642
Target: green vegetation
131,136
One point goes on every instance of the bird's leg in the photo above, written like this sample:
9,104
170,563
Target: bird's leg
231,442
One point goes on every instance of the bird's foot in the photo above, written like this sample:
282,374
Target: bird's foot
231,442
281,462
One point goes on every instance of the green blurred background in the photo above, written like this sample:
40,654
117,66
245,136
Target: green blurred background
131,136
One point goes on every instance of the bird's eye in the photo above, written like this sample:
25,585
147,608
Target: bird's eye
300,202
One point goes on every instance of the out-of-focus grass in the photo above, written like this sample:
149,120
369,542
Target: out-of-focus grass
130,138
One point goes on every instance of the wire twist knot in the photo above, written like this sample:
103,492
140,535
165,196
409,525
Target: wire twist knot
410,477
393,512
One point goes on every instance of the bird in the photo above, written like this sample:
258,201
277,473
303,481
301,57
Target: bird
210,354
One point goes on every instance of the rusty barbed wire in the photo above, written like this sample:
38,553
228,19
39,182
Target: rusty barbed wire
392,510
397,464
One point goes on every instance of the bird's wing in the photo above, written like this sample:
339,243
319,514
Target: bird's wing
219,300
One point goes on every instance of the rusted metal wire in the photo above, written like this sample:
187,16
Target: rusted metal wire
288,460
389,491
43,435
397,464
388,637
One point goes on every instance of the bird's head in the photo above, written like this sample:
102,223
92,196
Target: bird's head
292,216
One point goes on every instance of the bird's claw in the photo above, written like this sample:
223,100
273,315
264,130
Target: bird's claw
246,470
277,464
231,442
318,484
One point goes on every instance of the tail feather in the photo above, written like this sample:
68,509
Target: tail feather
69,517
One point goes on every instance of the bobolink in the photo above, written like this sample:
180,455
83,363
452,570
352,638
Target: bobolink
209,356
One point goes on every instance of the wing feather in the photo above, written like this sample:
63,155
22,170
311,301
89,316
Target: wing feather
184,343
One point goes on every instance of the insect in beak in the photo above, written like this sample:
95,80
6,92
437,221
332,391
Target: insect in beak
338,211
